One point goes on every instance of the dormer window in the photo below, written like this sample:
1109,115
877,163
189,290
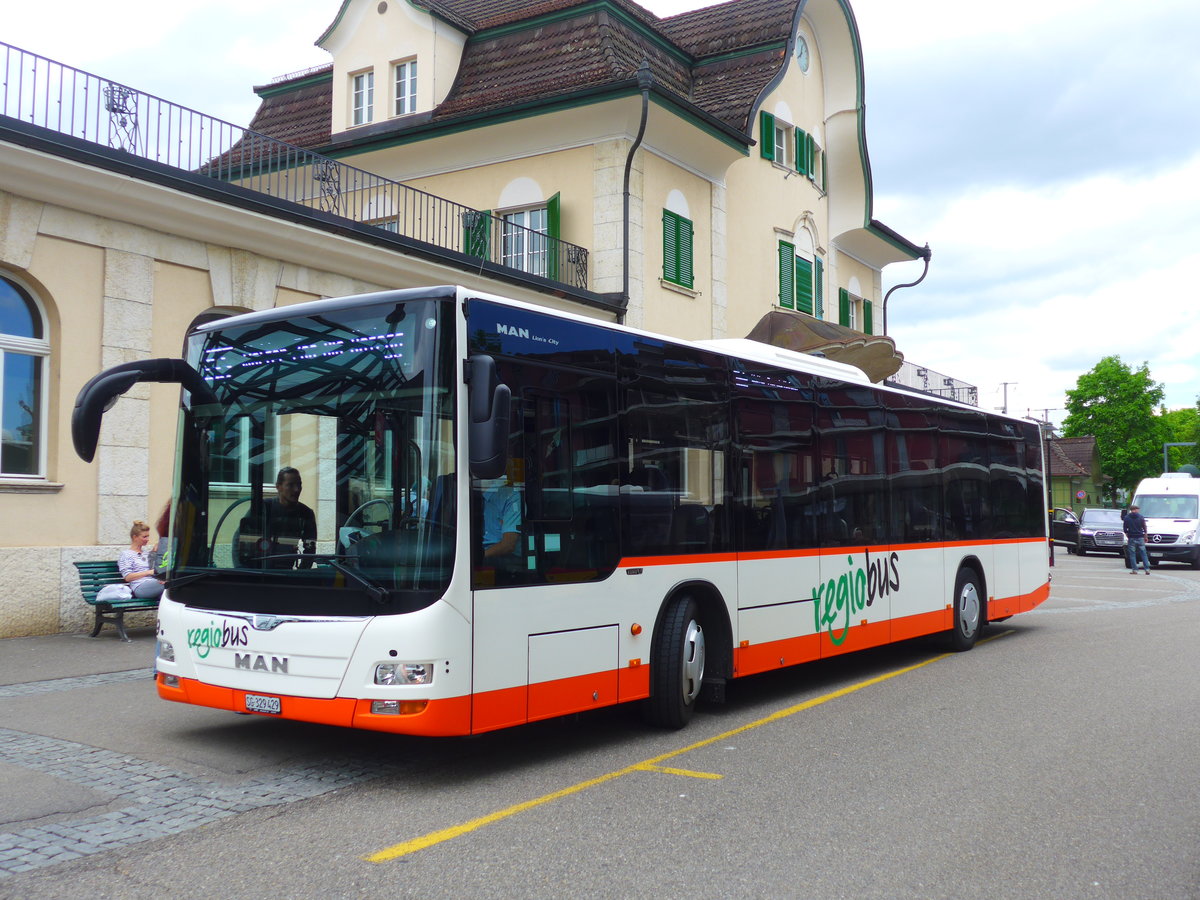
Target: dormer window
362,98
405,82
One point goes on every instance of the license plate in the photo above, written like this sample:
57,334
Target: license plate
260,704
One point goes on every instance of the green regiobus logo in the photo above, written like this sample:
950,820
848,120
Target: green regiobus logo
835,601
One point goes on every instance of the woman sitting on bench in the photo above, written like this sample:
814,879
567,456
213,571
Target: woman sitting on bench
135,567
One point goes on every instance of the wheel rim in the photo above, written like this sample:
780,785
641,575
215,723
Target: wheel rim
693,661
968,609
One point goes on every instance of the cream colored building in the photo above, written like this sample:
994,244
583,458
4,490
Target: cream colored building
747,205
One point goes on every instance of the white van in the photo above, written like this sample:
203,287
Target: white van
1171,505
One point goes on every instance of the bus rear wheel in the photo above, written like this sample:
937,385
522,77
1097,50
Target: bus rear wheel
676,666
968,611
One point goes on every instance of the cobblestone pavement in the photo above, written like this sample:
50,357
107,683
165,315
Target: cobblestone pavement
157,800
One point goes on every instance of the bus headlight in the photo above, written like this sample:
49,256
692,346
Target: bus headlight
404,673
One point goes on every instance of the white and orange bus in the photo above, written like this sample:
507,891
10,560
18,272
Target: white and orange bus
508,513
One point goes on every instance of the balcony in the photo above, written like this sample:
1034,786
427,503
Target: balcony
40,97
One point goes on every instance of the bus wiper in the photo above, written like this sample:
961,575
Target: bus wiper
374,589
181,580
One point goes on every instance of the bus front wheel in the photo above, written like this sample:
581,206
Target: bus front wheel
968,611
676,665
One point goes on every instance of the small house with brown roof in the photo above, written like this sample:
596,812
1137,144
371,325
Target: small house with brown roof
712,164
1076,480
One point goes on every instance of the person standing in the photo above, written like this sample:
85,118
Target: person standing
1135,530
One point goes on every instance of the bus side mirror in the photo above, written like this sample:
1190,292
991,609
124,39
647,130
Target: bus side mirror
101,392
489,404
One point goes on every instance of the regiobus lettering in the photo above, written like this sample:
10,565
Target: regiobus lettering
853,591
439,512
216,636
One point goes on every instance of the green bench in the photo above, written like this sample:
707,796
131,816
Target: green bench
95,575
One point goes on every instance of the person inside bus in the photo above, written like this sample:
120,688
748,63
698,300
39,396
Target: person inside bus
502,519
290,526
134,564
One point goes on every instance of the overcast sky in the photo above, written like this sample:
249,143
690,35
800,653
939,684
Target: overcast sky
1047,150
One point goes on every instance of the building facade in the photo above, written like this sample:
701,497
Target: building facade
697,175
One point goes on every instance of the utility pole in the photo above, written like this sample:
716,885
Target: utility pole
1005,384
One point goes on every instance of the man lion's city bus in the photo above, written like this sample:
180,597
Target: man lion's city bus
491,513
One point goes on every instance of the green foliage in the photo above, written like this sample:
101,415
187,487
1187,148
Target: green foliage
1116,404
1183,426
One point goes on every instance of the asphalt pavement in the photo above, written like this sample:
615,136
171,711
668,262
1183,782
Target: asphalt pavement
95,768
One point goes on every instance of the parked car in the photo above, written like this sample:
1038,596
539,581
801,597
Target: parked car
1100,531
1064,528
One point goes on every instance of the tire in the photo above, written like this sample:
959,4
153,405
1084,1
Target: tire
676,666
969,612
1196,558
1079,551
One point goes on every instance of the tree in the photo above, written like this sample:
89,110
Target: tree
1116,404
1182,426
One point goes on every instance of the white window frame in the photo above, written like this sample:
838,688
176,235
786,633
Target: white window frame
522,250
362,97
404,87
785,139
39,349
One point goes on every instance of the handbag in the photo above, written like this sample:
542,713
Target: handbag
111,593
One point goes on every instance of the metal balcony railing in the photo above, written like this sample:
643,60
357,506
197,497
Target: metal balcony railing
40,92
921,378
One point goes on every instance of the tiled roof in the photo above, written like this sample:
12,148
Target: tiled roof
588,50
717,59
301,115
479,14
1072,456
731,26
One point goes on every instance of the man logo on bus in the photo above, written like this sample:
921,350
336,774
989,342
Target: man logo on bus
840,598
512,330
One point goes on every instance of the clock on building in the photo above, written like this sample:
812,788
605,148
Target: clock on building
802,52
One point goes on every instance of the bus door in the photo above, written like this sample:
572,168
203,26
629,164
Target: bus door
852,502
779,520
544,536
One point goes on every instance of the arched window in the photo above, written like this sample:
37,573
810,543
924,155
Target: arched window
23,353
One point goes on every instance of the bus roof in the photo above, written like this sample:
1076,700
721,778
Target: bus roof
739,348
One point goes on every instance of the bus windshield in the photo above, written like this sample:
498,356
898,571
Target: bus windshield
321,482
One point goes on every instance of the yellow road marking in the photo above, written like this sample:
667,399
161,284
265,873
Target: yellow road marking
687,773
454,831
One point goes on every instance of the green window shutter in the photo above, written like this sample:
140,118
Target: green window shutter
804,285
766,138
787,275
819,288
824,166
685,252
670,246
868,324
554,232
677,249
801,159
843,307
477,233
